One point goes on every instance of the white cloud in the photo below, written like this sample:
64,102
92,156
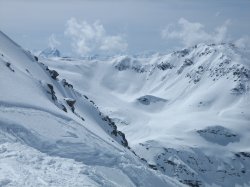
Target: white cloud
243,42
113,43
191,33
53,42
92,38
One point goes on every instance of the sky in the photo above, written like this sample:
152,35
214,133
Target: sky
84,27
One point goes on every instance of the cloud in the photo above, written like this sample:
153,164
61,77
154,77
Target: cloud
53,42
92,38
243,42
191,33
217,14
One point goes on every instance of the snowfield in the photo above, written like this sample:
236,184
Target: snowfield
178,119
52,135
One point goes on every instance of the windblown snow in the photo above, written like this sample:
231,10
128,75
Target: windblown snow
178,119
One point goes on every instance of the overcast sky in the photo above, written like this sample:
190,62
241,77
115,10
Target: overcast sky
83,27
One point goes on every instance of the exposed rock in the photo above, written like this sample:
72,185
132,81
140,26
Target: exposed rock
181,53
243,155
9,66
192,183
164,66
65,83
36,58
85,97
239,89
148,99
71,103
54,74
191,166
219,135
118,135
52,92
153,166
127,63
187,62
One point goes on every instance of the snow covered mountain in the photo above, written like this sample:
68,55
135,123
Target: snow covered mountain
186,113
50,52
183,118
52,135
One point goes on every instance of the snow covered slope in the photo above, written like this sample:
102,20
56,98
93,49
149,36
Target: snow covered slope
186,114
53,135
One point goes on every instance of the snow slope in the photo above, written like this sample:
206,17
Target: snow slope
185,113
53,135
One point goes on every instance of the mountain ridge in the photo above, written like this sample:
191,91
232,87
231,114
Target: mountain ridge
206,89
46,126
184,114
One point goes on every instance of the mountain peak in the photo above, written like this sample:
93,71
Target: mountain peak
50,52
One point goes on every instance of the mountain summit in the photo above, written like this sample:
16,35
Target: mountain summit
50,52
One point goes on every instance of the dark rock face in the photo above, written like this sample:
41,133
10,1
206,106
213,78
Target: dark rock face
239,89
9,66
52,92
118,135
54,74
36,58
86,97
71,103
144,100
187,62
130,64
63,108
236,71
181,53
219,135
244,155
148,99
192,166
207,51
54,98
65,83
196,76
152,166
164,66
192,183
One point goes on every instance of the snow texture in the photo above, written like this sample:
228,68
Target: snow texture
178,119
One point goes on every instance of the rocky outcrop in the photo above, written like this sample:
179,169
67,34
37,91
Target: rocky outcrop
71,102
149,99
187,62
192,167
53,74
112,130
219,135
